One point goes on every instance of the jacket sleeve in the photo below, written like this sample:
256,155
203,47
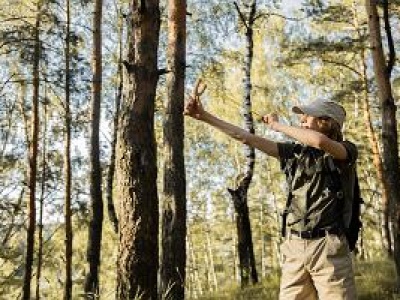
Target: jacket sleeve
287,152
352,153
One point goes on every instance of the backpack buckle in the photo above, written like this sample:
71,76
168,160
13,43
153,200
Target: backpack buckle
340,194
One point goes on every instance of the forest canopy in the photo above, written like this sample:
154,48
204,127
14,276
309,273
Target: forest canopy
106,189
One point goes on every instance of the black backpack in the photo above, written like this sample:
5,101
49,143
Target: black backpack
352,196
353,232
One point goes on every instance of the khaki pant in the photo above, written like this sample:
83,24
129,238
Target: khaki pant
319,268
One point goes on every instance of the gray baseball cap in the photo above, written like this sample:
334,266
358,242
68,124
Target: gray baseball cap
322,108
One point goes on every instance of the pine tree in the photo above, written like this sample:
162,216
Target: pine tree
137,264
96,223
173,259
383,71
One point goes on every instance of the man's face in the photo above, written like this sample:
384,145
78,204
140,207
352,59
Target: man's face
309,122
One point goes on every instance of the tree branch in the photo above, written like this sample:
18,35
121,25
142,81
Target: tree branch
163,71
392,53
241,15
336,63
267,15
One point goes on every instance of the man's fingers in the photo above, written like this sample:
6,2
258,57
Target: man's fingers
270,118
264,119
199,88
196,87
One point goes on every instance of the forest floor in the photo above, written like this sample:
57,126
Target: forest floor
375,281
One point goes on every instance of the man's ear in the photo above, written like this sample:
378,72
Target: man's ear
325,125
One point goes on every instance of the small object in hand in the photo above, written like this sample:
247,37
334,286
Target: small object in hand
199,88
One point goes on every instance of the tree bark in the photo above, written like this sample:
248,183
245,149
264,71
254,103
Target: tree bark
41,202
373,141
96,222
197,288
32,171
211,269
247,264
67,164
111,170
173,258
389,126
377,161
137,263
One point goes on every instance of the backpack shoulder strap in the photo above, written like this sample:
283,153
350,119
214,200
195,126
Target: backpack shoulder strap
289,175
334,176
286,211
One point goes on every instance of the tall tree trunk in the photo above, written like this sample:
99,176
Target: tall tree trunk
373,141
137,263
41,201
211,269
173,258
197,288
96,222
67,164
32,172
111,170
262,236
389,125
247,264
235,258
377,161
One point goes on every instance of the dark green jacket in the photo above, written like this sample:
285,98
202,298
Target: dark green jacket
316,202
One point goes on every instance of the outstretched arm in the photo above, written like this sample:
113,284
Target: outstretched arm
195,110
308,137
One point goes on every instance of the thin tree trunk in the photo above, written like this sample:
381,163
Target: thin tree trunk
21,103
190,282
41,202
377,161
389,124
239,194
262,234
206,268
373,141
111,170
245,244
235,273
213,275
173,258
32,172
197,288
96,223
67,166
137,263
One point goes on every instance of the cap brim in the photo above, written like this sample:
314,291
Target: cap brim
297,110
306,110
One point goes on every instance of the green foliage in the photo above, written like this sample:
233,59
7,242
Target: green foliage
374,281
293,61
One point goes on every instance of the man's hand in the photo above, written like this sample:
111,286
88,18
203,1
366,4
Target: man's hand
194,108
270,120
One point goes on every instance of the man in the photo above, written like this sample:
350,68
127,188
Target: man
316,258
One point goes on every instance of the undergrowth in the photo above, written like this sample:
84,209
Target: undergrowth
374,280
